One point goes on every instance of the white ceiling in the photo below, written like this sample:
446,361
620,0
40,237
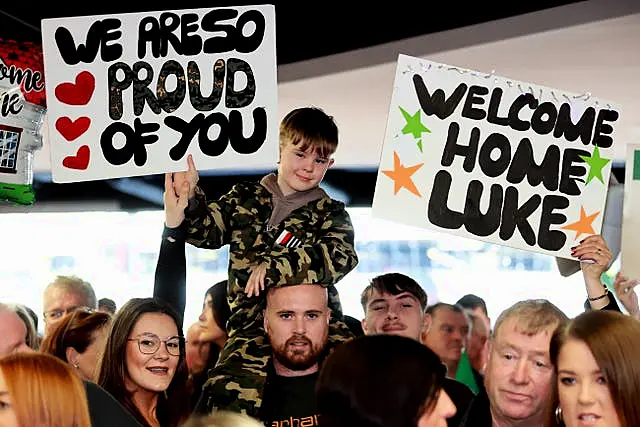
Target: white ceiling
592,46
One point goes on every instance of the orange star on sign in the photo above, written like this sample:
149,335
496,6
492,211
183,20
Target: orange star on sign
401,176
583,225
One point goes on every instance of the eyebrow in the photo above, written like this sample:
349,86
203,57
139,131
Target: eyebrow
293,312
570,372
519,350
401,297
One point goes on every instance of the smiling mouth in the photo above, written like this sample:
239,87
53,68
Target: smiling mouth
158,371
588,418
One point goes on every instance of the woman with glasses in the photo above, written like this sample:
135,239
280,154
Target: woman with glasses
79,340
144,365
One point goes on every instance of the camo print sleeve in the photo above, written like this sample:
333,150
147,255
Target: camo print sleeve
209,224
326,261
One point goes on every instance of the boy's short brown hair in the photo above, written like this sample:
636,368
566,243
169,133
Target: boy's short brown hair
310,127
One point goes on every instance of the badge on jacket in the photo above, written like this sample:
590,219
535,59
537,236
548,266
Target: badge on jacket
288,240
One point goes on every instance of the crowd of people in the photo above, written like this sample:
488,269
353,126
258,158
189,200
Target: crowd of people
272,346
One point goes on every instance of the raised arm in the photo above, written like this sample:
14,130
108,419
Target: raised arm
595,256
170,282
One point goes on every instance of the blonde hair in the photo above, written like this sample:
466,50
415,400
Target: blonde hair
32,340
76,285
45,392
223,419
532,316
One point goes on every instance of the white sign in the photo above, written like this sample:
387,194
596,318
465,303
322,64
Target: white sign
630,252
133,94
494,159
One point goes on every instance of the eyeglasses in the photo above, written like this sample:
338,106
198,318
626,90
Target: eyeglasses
150,344
55,315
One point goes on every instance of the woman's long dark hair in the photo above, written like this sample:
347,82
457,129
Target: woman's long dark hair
378,381
173,405
221,314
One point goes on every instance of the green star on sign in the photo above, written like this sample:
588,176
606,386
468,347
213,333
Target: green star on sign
596,164
414,126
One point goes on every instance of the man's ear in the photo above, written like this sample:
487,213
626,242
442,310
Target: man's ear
363,322
427,323
328,316
331,161
265,322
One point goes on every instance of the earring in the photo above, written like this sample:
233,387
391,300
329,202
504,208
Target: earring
559,414
75,365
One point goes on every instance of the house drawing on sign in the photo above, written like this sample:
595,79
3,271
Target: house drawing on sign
9,145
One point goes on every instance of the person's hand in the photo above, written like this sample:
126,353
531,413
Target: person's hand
626,293
189,176
594,256
175,202
256,280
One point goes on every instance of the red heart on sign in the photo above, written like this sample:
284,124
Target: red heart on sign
79,161
78,93
72,129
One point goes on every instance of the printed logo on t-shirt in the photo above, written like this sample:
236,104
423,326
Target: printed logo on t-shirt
288,240
311,421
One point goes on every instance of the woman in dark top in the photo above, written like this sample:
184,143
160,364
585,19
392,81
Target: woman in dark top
143,366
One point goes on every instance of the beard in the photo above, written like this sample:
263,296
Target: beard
299,358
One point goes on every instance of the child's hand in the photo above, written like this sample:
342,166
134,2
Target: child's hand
175,202
190,176
256,281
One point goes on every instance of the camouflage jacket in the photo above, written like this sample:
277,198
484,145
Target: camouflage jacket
319,247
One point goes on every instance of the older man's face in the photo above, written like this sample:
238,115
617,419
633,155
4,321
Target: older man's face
58,302
12,334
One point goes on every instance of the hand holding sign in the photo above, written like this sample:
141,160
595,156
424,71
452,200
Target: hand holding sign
176,200
189,177
594,255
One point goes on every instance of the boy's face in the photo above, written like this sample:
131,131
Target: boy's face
300,170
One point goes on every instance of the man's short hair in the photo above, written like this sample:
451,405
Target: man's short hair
471,302
432,309
394,284
76,285
108,304
532,316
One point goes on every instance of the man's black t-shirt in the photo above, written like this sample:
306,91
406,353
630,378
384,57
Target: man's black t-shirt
289,401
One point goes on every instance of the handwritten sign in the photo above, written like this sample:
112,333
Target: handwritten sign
133,94
494,159
630,251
